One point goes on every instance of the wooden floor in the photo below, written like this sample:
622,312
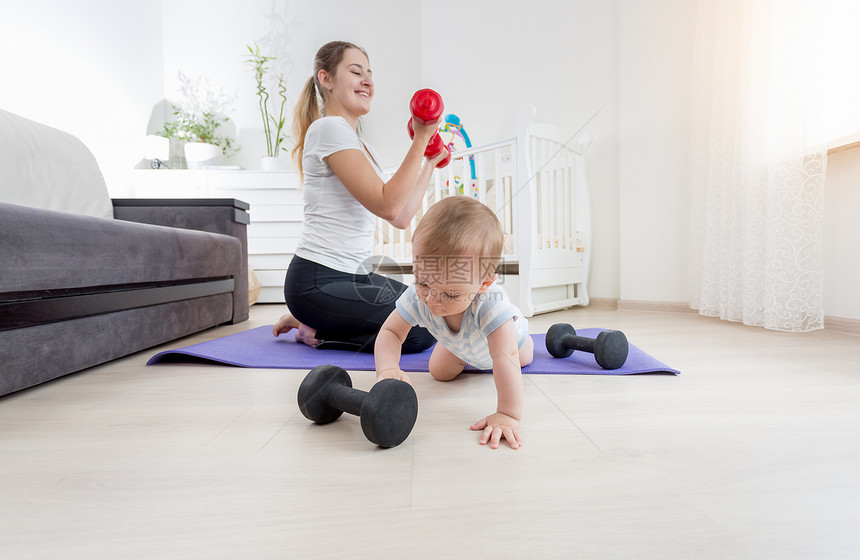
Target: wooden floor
752,452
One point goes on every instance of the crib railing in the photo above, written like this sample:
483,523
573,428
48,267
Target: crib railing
536,185
486,173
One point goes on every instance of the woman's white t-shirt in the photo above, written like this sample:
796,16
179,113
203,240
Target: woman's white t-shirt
338,230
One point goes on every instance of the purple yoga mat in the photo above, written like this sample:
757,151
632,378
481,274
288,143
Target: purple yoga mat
257,348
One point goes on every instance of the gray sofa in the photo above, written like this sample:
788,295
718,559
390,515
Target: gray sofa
85,279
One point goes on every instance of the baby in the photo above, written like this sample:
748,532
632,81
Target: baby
456,248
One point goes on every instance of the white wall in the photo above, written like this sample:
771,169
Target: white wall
209,37
842,235
656,76
89,67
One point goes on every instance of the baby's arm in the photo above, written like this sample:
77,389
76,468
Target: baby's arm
507,374
386,351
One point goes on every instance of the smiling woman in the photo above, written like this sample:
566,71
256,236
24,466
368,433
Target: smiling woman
334,300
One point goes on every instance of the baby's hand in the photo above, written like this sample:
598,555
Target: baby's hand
496,426
392,374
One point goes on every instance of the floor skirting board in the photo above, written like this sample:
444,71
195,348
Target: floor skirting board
842,325
603,303
654,306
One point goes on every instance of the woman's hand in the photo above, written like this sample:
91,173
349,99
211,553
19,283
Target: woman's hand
438,157
424,132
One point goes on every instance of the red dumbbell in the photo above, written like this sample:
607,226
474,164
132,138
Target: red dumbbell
426,107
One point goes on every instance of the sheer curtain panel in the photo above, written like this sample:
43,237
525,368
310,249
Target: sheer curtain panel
763,111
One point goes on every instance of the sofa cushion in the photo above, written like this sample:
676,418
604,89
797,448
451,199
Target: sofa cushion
44,250
43,167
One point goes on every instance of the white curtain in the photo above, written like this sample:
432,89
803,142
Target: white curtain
763,111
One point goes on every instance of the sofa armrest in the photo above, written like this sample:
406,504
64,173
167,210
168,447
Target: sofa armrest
227,216
215,215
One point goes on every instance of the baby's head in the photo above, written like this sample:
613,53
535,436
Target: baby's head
456,249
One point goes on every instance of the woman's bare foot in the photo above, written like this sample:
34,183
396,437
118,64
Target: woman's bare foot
305,334
285,324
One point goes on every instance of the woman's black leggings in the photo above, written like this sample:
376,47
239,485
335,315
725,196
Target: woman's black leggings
347,310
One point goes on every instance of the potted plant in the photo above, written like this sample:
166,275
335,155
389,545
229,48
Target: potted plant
197,122
273,128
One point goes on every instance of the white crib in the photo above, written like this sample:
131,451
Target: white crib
536,184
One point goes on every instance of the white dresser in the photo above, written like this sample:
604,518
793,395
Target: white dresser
276,212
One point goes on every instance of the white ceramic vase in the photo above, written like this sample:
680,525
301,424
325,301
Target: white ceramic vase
270,163
200,154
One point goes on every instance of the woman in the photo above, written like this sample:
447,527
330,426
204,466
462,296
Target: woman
333,301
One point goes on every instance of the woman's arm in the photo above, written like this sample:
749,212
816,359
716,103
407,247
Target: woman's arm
418,193
398,199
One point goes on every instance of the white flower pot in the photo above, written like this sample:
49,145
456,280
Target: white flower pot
199,154
270,163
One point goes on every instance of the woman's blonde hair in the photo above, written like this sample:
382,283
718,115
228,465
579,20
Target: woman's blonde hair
460,226
307,108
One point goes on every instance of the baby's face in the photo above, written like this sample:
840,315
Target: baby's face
448,285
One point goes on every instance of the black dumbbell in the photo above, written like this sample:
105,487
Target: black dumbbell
609,348
387,412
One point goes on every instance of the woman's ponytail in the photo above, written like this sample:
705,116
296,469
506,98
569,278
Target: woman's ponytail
306,111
